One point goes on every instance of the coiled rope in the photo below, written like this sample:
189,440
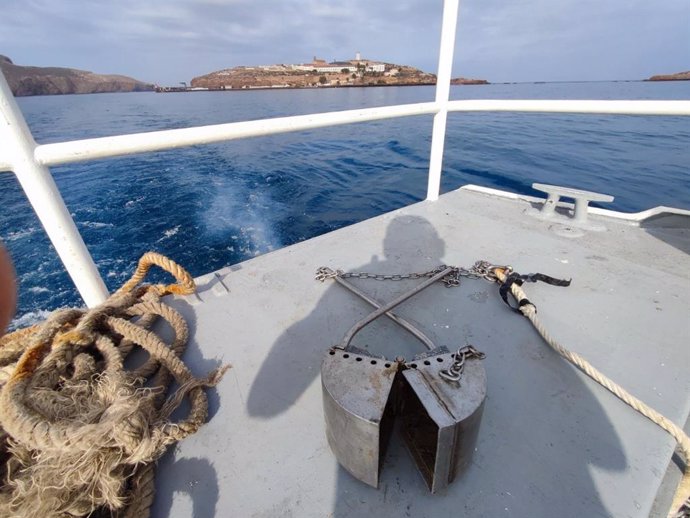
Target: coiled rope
79,431
681,500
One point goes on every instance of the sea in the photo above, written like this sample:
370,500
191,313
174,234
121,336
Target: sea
212,206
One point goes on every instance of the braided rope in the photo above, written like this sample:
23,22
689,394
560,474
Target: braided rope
185,283
79,431
682,495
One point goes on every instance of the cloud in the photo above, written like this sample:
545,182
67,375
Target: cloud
574,40
174,40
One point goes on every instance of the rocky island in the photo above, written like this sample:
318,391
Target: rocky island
318,73
26,80
466,81
680,76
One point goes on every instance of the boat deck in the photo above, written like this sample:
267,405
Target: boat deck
551,442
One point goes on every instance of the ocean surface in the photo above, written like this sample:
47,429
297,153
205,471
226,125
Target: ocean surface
212,206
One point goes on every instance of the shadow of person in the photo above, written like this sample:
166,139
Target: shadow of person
544,439
195,477
295,359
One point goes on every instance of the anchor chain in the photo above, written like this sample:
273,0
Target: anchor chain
402,390
479,270
454,372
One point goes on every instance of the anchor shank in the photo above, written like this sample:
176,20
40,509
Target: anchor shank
387,307
395,318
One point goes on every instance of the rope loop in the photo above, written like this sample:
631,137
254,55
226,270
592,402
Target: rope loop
184,285
81,431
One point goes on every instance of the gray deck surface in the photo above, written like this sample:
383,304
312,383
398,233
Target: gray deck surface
551,443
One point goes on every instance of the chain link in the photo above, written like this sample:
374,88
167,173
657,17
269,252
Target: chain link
480,270
454,372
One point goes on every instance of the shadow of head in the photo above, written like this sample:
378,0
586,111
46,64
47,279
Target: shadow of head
413,237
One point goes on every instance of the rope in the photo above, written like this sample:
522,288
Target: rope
681,500
79,432
185,283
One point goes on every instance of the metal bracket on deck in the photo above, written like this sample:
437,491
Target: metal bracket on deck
578,216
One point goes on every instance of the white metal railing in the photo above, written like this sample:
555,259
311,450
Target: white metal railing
445,71
29,161
18,147
89,149
573,106
105,147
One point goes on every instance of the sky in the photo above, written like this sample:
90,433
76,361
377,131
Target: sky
169,41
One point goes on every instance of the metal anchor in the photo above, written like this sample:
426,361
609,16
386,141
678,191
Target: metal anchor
363,394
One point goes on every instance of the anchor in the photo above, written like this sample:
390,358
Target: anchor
438,396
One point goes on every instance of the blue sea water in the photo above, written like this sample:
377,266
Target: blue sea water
212,206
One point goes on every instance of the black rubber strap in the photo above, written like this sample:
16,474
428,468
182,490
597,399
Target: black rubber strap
516,278
513,278
534,277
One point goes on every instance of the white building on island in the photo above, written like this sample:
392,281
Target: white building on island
335,67
375,67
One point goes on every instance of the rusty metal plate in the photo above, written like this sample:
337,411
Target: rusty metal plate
358,409
363,394
440,419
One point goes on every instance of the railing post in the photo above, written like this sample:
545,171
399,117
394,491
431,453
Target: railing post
38,184
445,68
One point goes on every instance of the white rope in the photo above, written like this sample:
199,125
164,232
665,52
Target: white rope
682,496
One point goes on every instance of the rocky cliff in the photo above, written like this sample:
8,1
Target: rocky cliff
680,76
24,80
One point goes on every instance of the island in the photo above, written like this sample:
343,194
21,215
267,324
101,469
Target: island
28,80
465,81
318,73
680,76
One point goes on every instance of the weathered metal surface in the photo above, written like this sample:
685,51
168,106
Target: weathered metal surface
361,399
363,394
440,414
440,418
358,409
551,441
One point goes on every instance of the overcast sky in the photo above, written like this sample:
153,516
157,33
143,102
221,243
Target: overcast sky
168,41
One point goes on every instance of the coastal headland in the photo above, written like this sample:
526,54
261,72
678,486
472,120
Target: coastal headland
680,76
318,73
26,80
